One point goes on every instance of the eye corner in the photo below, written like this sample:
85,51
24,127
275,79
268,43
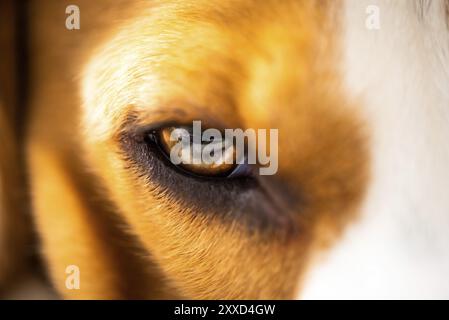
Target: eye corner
159,139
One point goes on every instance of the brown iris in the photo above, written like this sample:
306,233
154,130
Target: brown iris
178,142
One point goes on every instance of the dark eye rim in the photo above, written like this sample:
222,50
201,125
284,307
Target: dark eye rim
152,138
241,199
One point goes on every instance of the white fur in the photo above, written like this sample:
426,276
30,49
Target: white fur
399,248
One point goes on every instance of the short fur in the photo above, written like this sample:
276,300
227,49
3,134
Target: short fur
103,200
147,65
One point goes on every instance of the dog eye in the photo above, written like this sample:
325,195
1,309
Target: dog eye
205,155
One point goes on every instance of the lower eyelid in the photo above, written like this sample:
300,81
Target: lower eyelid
163,139
240,198
146,153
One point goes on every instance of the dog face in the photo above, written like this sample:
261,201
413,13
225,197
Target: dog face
356,205
233,65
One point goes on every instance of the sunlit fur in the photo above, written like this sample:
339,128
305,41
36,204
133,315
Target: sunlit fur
241,64
248,81
347,157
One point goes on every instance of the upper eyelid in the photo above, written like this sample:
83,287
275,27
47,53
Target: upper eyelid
140,121
165,158
144,129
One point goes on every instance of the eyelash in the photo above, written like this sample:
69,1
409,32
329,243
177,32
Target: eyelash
241,170
145,155
142,150
238,198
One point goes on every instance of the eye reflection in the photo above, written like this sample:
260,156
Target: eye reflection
207,156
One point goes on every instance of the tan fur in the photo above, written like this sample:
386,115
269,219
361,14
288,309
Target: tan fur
241,63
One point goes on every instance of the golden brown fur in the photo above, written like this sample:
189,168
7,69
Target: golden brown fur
238,64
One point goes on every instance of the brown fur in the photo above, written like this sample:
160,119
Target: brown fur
14,236
14,223
242,63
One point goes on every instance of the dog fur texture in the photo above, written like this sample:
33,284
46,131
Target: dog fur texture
360,115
